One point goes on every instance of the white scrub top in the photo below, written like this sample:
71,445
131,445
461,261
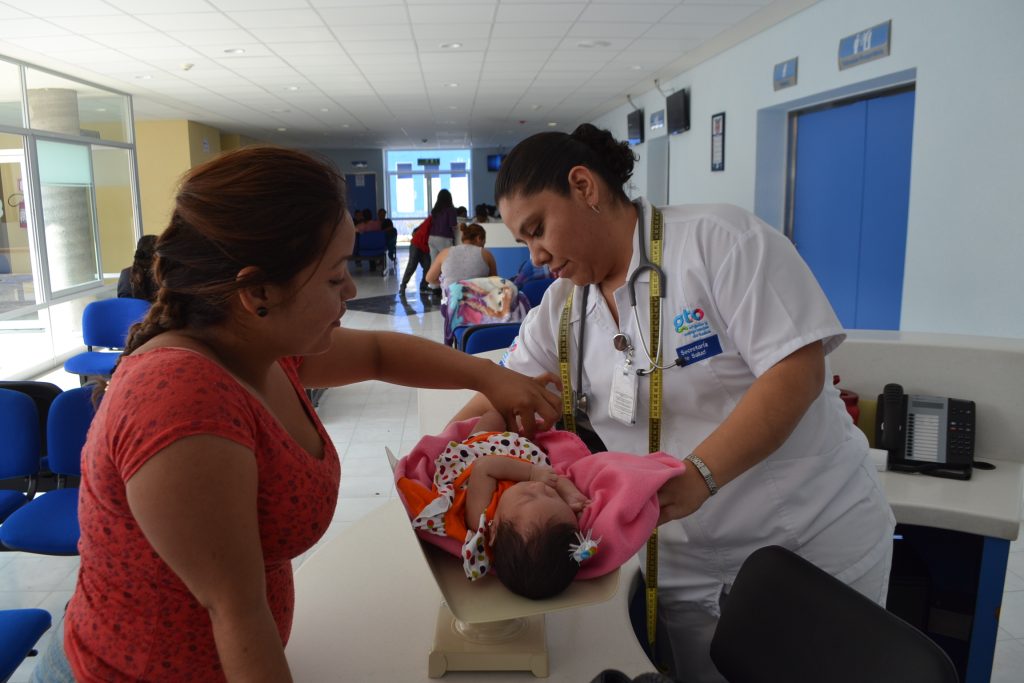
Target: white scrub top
738,300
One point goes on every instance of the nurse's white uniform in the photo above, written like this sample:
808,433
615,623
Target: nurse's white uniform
738,300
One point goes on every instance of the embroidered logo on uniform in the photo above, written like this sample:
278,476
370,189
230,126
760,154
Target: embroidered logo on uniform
688,317
699,350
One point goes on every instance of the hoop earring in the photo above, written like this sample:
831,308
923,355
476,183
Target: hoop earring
262,311
596,208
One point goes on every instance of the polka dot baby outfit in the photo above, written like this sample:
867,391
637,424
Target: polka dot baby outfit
451,476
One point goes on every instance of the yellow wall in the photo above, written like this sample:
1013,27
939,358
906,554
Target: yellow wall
164,154
233,141
203,141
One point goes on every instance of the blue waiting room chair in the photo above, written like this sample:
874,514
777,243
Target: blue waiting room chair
105,324
48,524
42,395
19,448
487,337
534,290
20,630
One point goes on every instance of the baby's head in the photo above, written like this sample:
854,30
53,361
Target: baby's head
531,537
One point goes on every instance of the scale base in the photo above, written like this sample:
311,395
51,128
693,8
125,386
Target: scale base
508,645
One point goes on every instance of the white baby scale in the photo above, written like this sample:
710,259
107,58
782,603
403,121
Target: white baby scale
482,626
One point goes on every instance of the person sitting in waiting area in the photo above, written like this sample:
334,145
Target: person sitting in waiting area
137,280
482,215
464,261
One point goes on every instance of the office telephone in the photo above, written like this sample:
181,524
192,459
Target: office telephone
928,434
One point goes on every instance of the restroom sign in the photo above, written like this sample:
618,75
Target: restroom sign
865,46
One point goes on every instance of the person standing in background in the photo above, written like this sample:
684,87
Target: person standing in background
443,220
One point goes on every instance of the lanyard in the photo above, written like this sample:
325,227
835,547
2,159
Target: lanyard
654,419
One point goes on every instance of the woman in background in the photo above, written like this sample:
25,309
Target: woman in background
465,261
137,281
443,219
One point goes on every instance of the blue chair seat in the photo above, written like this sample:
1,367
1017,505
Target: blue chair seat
20,630
9,502
49,526
92,363
489,336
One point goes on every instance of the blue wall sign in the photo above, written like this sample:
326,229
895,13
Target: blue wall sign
658,119
785,74
866,45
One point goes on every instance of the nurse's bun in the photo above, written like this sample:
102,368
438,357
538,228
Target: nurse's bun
543,161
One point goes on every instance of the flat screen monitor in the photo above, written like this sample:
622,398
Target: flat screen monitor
635,126
677,111
494,161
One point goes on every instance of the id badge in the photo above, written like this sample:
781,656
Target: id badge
622,403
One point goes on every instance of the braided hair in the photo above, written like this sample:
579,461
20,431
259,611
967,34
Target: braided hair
267,207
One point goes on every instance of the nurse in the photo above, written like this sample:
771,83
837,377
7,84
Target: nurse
773,456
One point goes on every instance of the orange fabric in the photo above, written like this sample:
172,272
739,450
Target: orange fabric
417,497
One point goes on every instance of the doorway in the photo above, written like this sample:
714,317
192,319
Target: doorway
848,199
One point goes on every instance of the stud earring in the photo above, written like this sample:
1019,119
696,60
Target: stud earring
596,208
262,311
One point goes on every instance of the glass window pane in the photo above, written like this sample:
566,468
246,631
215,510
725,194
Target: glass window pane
10,95
112,167
65,177
17,288
65,106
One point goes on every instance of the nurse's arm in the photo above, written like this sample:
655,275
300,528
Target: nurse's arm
758,425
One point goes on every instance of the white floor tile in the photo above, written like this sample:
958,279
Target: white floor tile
1011,616
1008,664
1014,582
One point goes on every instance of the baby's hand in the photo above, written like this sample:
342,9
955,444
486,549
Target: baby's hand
544,474
572,496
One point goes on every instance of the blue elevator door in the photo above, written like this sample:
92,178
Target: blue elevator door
851,197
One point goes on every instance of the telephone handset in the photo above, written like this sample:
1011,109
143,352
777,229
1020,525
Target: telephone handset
927,434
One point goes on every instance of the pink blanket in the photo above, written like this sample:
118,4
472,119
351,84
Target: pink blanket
622,488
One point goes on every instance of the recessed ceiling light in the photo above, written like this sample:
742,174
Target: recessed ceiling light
451,46
324,109
144,77
234,51
344,125
552,124
535,107
636,67
280,111
101,108
291,88
451,85
281,129
453,106
593,43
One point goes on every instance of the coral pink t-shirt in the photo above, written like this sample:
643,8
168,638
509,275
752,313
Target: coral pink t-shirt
131,618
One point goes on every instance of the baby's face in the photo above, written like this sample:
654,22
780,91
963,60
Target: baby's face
530,505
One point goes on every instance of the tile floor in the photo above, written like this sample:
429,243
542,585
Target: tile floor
362,420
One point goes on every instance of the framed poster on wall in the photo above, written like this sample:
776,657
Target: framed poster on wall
718,142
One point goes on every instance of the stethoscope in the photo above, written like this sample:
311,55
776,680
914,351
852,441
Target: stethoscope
620,341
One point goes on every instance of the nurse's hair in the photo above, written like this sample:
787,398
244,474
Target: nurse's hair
543,161
536,567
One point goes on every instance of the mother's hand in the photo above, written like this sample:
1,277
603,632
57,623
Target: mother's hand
521,400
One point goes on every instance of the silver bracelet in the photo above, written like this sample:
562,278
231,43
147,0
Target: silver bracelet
704,472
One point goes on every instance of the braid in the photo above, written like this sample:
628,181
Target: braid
167,313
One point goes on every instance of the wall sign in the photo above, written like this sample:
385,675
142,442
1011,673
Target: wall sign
428,162
718,142
785,74
865,46
658,119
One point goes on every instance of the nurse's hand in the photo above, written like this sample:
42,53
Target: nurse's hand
682,496
525,402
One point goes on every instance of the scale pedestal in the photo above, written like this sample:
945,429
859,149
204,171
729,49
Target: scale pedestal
507,645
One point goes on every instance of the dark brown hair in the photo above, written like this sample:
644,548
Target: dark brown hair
537,567
543,161
141,275
472,232
262,206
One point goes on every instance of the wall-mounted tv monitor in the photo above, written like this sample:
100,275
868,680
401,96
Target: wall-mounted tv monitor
494,161
635,126
677,111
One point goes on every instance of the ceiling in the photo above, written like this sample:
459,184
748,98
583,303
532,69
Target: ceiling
379,73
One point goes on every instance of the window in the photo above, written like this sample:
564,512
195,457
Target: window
416,176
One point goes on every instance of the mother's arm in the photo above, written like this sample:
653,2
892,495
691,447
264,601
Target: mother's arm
195,501
357,355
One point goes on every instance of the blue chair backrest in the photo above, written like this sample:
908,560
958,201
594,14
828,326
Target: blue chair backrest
70,416
19,427
534,290
508,259
372,243
489,337
106,322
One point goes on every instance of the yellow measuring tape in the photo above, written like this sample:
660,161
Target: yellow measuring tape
654,420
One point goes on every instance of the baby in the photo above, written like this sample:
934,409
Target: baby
493,498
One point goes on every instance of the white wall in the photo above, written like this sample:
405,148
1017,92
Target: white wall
965,238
